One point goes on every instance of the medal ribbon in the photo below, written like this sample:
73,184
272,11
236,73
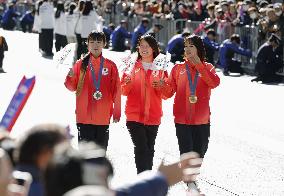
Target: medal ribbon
97,83
192,84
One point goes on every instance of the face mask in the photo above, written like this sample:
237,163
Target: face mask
253,15
203,2
278,13
246,7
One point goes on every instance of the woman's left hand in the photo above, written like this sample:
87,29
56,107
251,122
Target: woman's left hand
159,83
195,60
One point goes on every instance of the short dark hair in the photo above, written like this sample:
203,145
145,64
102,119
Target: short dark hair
39,138
97,35
212,32
185,34
198,43
66,169
236,38
152,43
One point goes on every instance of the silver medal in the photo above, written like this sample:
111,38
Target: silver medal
97,95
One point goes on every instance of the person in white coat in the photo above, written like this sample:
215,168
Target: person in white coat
78,14
46,17
60,27
71,20
89,21
36,26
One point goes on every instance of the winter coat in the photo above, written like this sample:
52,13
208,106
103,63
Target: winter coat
191,113
89,110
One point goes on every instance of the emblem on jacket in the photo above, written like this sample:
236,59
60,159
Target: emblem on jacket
182,71
155,73
105,71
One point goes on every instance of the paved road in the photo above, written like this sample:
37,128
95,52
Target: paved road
245,155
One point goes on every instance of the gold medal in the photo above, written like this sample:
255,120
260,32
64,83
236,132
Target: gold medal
192,98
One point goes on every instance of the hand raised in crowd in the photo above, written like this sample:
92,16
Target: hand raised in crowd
195,60
71,72
158,83
127,79
186,170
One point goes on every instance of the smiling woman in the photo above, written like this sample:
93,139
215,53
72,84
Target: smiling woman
96,82
144,86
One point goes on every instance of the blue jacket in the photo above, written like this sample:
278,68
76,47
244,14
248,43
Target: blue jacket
138,32
227,51
176,48
148,183
28,18
210,47
118,37
8,15
175,40
37,187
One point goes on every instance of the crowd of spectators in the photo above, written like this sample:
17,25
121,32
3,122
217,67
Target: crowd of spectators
124,21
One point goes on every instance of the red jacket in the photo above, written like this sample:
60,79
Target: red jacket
144,103
184,111
88,110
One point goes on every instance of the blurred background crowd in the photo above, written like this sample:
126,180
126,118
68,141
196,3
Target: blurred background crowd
123,21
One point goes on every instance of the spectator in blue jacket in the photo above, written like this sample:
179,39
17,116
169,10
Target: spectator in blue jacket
176,47
118,37
27,21
8,20
228,49
70,169
140,30
210,45
108,31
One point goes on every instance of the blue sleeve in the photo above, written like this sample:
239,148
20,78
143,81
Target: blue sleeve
239,50
213,45
36,189
125,33
134,39
148,183
173,43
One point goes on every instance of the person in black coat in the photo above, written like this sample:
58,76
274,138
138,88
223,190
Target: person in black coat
3,48
268,61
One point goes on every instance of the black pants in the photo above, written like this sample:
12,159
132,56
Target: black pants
234,66
47,40
119,48
193,138
79,46
95,133
60,41
40,41
1,59
143,138
27,27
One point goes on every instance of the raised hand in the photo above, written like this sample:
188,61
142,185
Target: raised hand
158,83
127,79
195,60
71,72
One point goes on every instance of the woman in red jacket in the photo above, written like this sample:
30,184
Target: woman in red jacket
192,82
96,82
143,86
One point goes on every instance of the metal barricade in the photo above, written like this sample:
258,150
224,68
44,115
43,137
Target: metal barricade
248,35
